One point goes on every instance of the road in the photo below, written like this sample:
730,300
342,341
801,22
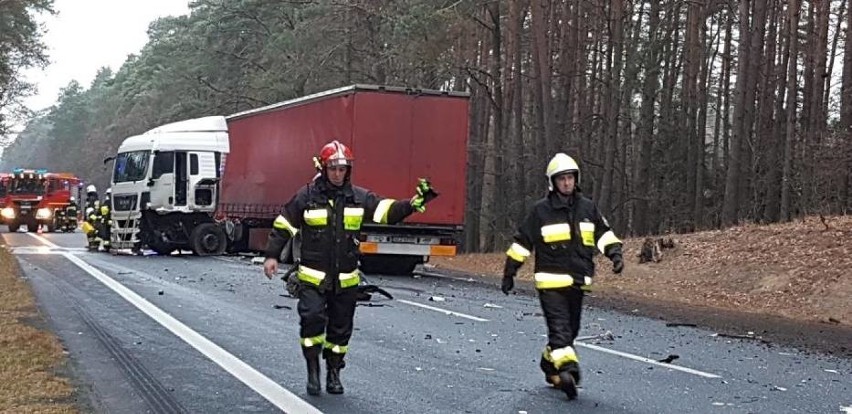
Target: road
190,334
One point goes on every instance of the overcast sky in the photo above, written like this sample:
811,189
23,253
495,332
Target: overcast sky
86,35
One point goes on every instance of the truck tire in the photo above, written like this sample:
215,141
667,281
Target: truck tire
208,239
13,227
397,265
162,248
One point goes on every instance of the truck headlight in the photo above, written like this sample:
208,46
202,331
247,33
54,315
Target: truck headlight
43,214
8,213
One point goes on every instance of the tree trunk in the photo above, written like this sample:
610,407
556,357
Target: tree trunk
732,178
846,113
792,95
650,88
613,104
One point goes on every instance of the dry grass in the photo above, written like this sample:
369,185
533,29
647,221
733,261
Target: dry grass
797,270
28,357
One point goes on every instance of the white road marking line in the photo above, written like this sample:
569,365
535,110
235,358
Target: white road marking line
44,240
444,311
647,360
274,393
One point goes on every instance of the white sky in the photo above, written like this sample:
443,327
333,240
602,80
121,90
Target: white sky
86,35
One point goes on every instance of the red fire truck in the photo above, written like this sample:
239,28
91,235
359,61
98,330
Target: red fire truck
33,197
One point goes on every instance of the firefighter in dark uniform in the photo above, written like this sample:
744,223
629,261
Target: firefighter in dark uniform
564,229
70,221
92,217
105,224
326,214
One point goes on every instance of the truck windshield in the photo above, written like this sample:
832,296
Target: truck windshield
130,166
27,186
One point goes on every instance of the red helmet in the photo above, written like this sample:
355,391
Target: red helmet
334,153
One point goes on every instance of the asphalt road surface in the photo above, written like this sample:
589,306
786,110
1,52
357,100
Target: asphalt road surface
213,335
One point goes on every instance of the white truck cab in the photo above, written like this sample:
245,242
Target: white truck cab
165,186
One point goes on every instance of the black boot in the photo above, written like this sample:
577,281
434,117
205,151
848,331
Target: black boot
567,385
334,363
551,374
312,358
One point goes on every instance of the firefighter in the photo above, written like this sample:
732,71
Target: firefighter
70,220
105,223
564,229
92,218
326,215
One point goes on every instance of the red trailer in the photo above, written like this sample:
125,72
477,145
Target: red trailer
397,135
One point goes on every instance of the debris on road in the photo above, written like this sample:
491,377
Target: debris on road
492,306
606,336
281,307
676,324
160,293
669,359
749,335
437,299
257,260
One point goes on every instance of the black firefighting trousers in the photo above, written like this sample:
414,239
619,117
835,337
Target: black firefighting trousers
327,312
562,310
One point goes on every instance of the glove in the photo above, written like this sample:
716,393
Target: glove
424,194
617,264
508,284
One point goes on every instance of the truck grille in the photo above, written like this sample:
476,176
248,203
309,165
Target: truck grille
125,202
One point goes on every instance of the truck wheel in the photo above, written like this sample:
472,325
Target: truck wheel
13,227
162,248
208,239
390,264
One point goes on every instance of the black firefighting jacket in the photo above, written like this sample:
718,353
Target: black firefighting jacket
564,234
328,220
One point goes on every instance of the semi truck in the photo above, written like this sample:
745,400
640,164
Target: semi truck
215,184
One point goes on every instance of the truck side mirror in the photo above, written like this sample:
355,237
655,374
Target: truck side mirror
150,182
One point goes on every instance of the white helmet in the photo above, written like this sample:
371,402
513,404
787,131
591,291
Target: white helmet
561,163
91,189
109,190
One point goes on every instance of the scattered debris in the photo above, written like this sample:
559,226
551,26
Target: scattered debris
492,306
160,293
437,299
418,369
606,336
370,304
750,335
281,307
669,359
428,336
257,260
125,273
777,388
833,371
675,324
440,341
833,320
486,369
719,404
